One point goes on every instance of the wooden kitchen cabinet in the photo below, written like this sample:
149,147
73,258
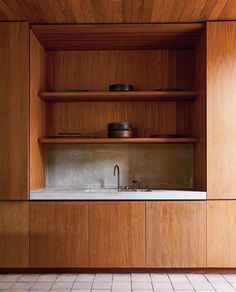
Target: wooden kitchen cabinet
14,110
221,104
176,234
221,235
59,234
117,234
14,234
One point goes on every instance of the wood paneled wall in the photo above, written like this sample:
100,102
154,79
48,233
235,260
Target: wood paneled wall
14,110
95,70
221,106
37,112
199,117
14,234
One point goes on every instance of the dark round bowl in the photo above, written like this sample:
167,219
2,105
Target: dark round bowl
120,134
121,87
119,126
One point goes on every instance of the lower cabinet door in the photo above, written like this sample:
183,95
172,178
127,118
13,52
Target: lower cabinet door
221,234
14,234
176,234
59,234
117,234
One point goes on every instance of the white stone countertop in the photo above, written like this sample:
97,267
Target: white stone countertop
113,194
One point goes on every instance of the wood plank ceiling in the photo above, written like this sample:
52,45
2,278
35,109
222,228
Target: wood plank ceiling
116,11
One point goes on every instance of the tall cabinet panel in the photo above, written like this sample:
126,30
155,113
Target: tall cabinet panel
221,105
14,234
14,110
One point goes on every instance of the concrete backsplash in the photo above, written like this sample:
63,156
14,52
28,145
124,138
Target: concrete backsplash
91,166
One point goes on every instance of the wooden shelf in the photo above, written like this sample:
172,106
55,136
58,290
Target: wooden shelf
57,140
119,96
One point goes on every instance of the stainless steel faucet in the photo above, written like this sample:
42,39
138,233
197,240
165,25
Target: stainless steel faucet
118,176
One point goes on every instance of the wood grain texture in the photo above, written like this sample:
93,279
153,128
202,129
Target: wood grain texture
96,70
117,234
221,104
14,110
119,11
147,70
37,113
14,234
116,37
119,96
58,140
176,234
59,234
221,238
199,117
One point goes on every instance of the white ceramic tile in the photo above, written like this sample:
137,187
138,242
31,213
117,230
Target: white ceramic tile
33,290
184,290
141,285
143,290
225,290
29,278
102,285
42,286
22,286
20,290
10,278
61,290
195,278
162,286
47,278
2,275
121,285
215,278
82,290
140,277
182,286
85,277
6,285
222,285
103,277
82,285
123,290
62,285
178,278
206,290
121,278
66,278
202,286
159,277
103,290
230,277
159,290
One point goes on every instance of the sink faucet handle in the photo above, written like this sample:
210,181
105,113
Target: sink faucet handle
134,184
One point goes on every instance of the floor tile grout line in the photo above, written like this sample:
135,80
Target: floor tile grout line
171,282
54,281
190,282
209,282
73,282
227,280
151,282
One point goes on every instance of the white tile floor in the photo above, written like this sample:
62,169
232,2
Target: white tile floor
138,282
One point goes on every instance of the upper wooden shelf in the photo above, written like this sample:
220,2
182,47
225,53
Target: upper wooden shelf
119,96
59,140
118,36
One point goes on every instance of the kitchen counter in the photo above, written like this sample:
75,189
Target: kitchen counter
113,194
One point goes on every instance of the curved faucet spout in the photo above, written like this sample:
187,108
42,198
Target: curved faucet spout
116,168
